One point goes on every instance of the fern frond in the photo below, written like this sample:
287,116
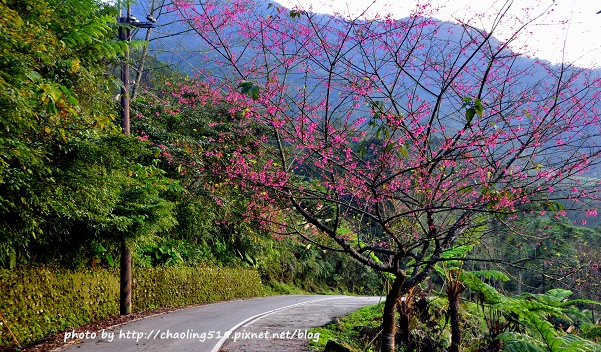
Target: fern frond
457,251
517,342
534,305
558,294
491,274
489,294
578,344
554,342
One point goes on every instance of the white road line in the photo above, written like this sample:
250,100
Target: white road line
259,316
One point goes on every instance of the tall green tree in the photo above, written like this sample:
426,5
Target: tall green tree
67,176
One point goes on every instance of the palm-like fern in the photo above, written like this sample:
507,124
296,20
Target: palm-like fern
532,312
548,339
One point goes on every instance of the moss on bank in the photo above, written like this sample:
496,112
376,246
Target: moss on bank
38,301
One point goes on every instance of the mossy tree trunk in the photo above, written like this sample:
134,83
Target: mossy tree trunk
405,308
454,289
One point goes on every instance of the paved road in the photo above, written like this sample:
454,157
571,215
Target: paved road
259,324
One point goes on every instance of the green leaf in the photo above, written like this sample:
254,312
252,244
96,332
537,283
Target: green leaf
249,89
469,114
403,151
52,91
254,93
478,107
72,100
245,86
377,108
553,206
516,342
457,251
34,76
110,260
296,13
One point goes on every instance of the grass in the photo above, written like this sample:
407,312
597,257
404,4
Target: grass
281,288
347,330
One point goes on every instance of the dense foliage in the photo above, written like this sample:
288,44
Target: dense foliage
491,322
59,142
73,187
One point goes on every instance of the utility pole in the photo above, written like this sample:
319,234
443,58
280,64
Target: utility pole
124,35
127,22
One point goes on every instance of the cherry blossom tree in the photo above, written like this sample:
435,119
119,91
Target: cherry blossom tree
395,140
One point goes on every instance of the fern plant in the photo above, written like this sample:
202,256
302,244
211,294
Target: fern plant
522,323
545,338
527,317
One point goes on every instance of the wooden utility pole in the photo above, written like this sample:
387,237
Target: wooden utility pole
125,273
127,22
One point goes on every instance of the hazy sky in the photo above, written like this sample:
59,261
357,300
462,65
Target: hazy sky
573,23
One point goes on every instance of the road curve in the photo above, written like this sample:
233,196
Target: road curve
257,324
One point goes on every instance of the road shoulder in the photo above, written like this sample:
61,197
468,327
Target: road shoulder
288,330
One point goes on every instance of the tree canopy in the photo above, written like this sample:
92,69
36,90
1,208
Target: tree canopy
59,141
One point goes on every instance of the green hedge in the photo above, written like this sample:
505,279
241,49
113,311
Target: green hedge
192,285
39,301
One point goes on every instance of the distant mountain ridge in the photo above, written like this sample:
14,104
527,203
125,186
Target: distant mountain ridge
175,42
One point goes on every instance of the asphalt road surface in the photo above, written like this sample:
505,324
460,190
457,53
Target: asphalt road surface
265,324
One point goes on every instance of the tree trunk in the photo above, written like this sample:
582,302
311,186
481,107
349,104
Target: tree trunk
454,290
404,327
519,290
405,308
388,316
